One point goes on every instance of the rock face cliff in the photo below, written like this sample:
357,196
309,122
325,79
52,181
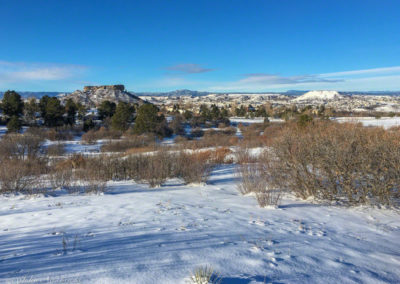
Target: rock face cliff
94,95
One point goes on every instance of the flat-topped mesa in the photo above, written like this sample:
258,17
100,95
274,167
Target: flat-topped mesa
105,87
95,95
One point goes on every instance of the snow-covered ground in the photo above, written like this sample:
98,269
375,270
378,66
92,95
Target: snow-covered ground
78,146
253,120
385,122
3,130
133,234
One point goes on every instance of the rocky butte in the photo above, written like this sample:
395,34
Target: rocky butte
94,95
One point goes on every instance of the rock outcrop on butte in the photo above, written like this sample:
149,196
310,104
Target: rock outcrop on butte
94,95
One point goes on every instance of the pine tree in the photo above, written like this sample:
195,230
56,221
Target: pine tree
12,104
148,121
14,124
106,109
53,112
123,116
70,109
30,110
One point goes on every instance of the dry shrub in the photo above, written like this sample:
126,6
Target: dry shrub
157,168
128,143
92,175
252,178
21,175
73,162
57,149
255,178
21,146
180,139
102,133
59,134
61,178
195,167
252,134
205,275
220,155
212,139
243,155
268,197
271,132
197,132
338,162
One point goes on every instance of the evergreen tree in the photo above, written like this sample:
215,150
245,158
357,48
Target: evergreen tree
42,105
148,121
188,114
215,112
88,124
30,110
70,109
123,116
14,124
81,109
106,109
304,120
205,112
224,113
12,104
261,112
240,111
53,112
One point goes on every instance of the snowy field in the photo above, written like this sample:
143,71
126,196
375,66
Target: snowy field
385,122
133,234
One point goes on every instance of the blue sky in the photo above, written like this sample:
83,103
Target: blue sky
216,45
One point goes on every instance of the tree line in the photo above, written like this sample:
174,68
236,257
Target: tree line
51,112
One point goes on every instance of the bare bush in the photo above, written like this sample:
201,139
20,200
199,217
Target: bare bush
61,178
195,167
60,134
20,176
103,133
157,168
252,178
21,146
57,149
268,197
346,163
255,178
129,143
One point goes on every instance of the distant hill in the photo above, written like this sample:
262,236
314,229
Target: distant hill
37,95
94,95
319,96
